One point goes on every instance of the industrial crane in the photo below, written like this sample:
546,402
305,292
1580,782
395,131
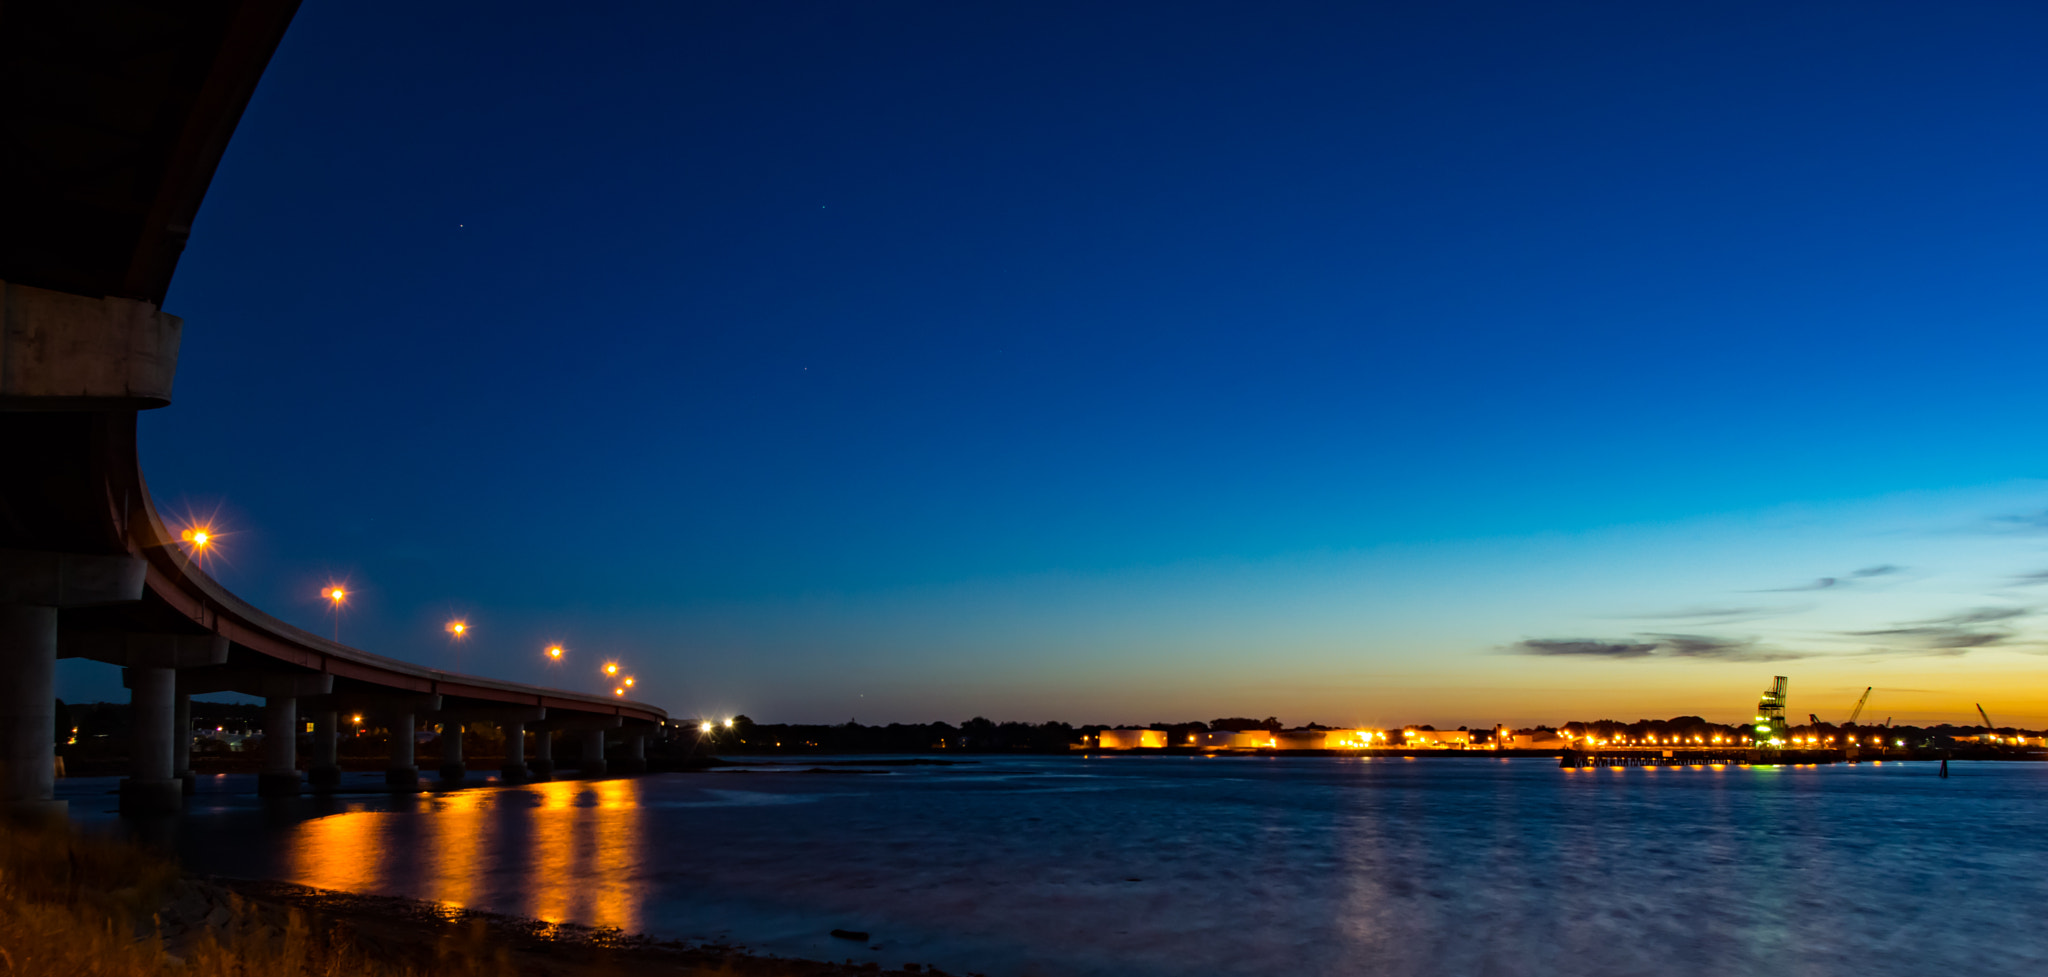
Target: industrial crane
1858,711
1987,719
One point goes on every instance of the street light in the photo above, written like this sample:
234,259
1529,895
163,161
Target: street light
629,681
458,628
704,727
555,652
335,596
611,668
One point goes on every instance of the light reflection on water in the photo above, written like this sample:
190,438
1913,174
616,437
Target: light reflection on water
564,851
1234,868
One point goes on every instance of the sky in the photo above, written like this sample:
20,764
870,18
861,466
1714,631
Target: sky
1392,363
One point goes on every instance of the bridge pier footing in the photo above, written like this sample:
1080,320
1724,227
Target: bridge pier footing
514,769
150,787
280,776
28,709
635,758
542,766
593,764
452,770
324,772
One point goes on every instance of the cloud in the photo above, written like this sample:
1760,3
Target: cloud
1722,649
1828,583
2026,522
1595,649
1695,647
1956,634
1821,584
1705,614
2035,579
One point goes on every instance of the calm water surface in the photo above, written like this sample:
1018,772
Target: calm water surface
1184,866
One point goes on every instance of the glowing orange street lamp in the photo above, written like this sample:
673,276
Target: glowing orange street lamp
629,681
618,691
335,596
555,653
458,628
611,668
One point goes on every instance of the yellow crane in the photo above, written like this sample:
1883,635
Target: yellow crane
1858,711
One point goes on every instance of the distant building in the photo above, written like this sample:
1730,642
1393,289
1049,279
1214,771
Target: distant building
1435,739
1130,739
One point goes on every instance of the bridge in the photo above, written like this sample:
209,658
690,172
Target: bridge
116,117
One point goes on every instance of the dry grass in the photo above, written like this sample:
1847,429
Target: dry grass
73,905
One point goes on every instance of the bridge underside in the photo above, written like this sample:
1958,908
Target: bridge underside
116,117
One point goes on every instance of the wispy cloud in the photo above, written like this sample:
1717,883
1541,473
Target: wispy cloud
1583,647
1829,583
1722,649
1956,634
2035,579
1664,646
2029,521
1820,584
1713,613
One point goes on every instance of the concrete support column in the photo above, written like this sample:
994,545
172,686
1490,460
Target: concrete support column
403,772
593,753
452,769
28,709
280,776
149,787
181,748
514,770
542,766
324,770
635,760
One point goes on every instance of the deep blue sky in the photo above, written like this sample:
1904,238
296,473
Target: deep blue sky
913,360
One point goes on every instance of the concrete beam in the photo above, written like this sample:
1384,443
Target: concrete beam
200,681
60,351
144,650
43,579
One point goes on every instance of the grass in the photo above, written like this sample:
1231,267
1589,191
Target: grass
77,905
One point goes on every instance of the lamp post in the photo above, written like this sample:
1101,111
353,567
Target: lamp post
336,595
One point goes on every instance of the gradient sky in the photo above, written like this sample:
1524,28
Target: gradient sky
1453,363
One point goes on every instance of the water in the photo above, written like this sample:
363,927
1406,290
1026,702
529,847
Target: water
1176,866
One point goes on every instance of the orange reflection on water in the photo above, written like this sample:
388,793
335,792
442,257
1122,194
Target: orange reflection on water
341,851
562,851
586,838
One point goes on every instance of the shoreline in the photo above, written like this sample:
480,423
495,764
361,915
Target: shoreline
401,930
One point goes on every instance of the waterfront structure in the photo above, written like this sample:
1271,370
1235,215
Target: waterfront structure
1770,732
1131,739
117,152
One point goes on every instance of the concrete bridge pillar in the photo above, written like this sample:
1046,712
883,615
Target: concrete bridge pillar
280,776
33,585
181,746
403,771
542,766
150,787
635,760
593,753
325,769
514,770
162,742
452,770
28,708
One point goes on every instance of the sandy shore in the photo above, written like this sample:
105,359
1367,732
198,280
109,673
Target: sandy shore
412,932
